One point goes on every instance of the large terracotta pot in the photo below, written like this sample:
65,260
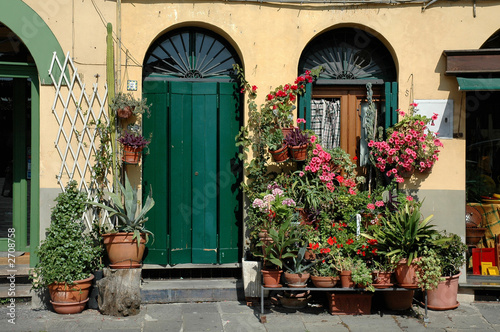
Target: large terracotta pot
350,303
64,293
271,277
444,297
399,300
123,251
296,279
69,308
324,282
406,275
346,279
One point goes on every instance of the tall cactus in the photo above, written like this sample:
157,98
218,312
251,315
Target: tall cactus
110,79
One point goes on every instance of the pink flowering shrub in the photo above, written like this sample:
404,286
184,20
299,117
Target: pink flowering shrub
409,145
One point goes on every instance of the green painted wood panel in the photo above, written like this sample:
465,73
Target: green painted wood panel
304,105
204,175
156,94
230,174
194,157
180,183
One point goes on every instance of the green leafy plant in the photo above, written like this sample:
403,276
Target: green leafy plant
130,219
429,269
123,100
451,254
67,254
362,275
274,140
282,246
324,268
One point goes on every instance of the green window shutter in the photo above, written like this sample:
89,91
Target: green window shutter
391,104
304,105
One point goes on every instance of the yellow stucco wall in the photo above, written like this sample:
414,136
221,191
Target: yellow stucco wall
270,39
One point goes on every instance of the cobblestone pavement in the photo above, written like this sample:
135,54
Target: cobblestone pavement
237,316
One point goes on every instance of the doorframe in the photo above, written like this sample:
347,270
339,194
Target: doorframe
28,70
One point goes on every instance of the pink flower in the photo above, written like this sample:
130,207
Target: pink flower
379,203
434,116
313,139
301,120
409,198
301,174
371,206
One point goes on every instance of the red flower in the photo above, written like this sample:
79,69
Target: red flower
330,241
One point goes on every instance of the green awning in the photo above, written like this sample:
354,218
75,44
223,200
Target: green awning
478,84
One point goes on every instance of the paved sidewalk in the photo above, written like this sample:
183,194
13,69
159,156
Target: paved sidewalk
236,316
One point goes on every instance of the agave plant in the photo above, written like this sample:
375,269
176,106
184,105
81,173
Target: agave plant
129,219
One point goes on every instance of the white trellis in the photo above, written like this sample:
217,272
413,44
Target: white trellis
77,114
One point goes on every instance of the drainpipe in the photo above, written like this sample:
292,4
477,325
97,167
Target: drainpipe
119,44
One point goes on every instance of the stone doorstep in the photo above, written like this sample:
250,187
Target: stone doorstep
191,290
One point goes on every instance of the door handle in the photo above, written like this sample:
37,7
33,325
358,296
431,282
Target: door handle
196,173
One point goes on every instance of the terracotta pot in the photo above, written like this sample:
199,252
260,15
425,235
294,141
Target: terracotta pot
271,277
383,279
298,153
405,275
296,279
349,303
405,173
292,301
123,251
444,297
280,155
63,293
398,300
324,282
69,308
131,155
286,131
346,279
125,112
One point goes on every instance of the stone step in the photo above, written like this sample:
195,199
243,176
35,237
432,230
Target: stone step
192,290
15,290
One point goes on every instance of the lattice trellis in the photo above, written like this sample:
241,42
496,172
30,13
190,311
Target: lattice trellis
76,113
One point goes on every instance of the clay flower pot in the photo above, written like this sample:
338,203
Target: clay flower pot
281,155
296,279
346,279
123,251
271,277
406,275
444,297
324,282
131,155
398,300
298,153
63,293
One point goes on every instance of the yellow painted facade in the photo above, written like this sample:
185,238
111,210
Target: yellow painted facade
270,38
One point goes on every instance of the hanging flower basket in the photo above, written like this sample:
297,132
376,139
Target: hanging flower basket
131,155
280,155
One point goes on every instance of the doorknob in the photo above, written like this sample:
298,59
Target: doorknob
196,173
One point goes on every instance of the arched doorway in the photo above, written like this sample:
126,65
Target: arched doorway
193,163
18,99
334,108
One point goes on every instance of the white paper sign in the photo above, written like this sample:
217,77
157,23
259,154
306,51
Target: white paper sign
444,109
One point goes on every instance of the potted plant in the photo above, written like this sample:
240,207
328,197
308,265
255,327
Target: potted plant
67,257
451,258
361,275
296,273
297,142
133,143
125,248
410,146
125,105
383,271
324,274
280,248
277,148
404,234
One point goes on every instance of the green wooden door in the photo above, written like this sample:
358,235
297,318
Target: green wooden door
193,169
